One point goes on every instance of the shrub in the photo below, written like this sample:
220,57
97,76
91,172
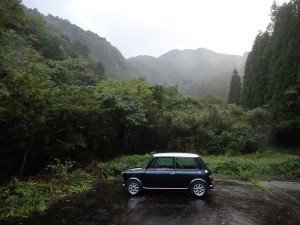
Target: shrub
115,168
290,168
234,168
260,166
20,198
232,130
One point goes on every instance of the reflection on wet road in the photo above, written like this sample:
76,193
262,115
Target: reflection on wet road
175,208
230,203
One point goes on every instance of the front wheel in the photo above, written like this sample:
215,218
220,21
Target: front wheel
199,189
134,187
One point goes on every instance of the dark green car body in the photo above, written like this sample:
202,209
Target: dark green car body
178,171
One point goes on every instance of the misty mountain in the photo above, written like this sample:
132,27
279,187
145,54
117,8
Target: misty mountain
196,72
91,44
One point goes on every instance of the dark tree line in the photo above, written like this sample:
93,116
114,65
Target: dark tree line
272,73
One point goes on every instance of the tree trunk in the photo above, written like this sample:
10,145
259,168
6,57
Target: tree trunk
23,163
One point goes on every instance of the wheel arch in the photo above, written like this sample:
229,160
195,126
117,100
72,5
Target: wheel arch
134,178
198,179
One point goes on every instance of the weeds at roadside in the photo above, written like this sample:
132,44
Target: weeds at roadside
258,166
21,198
261,187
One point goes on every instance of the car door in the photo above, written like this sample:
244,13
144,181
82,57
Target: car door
159,173
186,170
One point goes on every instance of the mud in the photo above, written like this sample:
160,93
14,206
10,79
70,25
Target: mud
232,202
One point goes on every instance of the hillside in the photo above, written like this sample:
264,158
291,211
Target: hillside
96,47
196,72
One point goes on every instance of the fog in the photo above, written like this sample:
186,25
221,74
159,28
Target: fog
144,27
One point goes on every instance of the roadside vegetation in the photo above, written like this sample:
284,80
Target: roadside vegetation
257,166
21,198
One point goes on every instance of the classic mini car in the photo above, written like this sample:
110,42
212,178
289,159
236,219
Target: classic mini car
170,171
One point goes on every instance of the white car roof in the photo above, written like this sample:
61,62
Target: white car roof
176,154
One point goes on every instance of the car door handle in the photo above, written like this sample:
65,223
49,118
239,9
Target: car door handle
172,173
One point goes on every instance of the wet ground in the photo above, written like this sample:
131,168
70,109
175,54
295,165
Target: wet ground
231,202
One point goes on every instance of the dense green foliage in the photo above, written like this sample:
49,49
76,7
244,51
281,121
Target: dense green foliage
115,167
21,198
55,106
32,82
56,103
258,166
272,73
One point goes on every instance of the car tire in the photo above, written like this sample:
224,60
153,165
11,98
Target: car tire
198,189
133,187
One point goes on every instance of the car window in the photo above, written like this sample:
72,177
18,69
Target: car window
202,163
164,162
186,163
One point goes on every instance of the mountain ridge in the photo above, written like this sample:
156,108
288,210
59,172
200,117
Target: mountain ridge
188,68
195,71
116,66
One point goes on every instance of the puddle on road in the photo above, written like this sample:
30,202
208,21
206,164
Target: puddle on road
165,207
107,203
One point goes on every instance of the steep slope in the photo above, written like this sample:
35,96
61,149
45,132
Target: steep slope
99,48
196,72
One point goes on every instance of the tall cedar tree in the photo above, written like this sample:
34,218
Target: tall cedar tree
272,73
234,96
254,93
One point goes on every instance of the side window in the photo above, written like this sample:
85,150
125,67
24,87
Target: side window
186,163
203,165
163,162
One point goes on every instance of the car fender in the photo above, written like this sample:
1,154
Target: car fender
198,179
134,178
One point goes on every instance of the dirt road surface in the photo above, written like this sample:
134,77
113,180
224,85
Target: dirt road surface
232,202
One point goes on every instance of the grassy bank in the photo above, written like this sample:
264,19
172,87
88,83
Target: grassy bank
258,166
21,198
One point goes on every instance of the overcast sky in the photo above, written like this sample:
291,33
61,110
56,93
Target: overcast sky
153,27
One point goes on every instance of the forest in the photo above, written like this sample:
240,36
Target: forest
59,101
272,72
